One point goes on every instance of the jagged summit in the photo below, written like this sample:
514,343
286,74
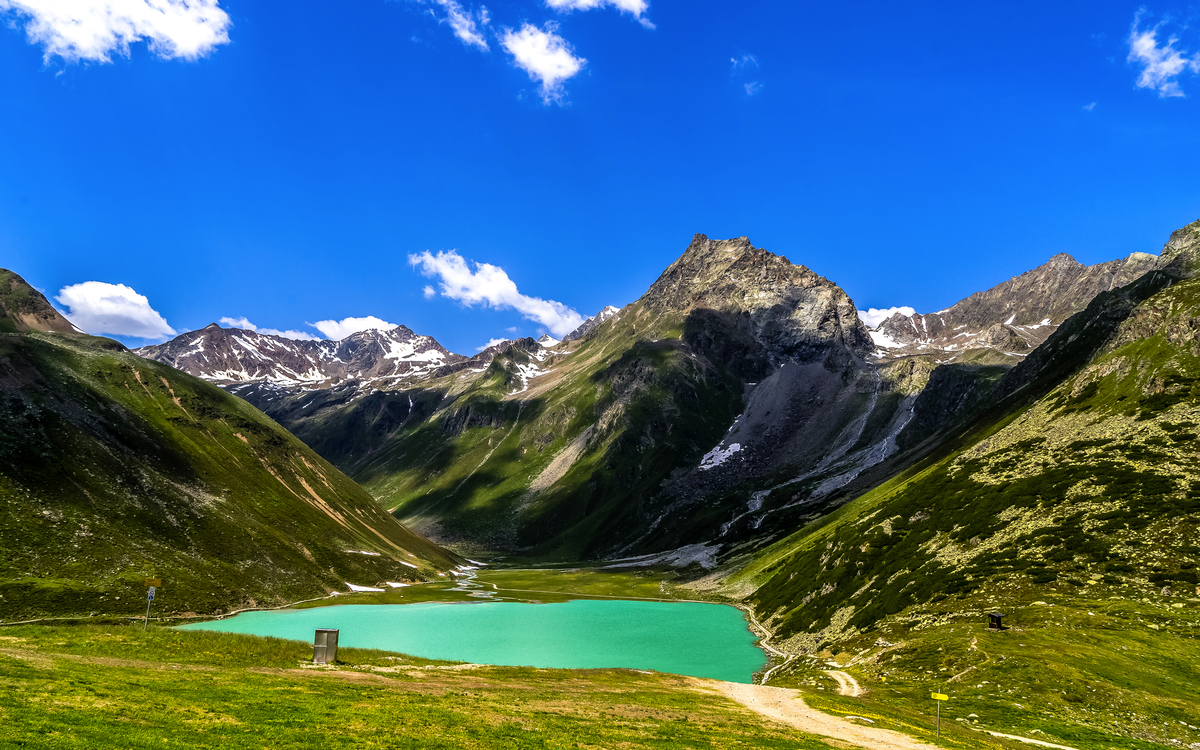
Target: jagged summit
24,309
235,355
793,309
589,325
1013,317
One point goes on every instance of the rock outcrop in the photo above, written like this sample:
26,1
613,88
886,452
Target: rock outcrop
24,309
1013,317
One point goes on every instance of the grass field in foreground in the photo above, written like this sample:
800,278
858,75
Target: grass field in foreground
116,687
1089,672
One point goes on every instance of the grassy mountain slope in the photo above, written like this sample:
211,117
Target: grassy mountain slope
1068,500
590,448
23,309
1098,477
114,468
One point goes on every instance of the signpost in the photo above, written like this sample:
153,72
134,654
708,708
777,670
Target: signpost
939,697
152,585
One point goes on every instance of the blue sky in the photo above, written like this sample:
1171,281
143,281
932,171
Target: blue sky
287,162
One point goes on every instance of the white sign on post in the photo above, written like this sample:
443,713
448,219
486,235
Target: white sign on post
150,594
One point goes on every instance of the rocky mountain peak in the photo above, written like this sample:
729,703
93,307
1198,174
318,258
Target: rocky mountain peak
587,326
1181,255
234,355
23,308
793,309
1014,316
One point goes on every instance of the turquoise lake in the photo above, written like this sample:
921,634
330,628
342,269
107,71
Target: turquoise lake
701,640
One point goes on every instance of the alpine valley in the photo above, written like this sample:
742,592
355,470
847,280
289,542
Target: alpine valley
737,434
114,468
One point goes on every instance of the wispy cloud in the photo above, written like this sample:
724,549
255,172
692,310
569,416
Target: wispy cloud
1089,107
246,325
545,56
467,25
490,344
636,8
744,61
1161,64
744,65
97,307
340,329
482,283
77,30
873,317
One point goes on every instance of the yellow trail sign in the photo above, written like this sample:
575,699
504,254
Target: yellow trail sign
155,582
940,697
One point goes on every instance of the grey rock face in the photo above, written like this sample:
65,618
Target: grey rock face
1015,316
1181,255
793,311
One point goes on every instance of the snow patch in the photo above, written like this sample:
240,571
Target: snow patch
882,339
718,456
361,588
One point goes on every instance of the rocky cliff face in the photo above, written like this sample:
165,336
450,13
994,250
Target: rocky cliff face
231,355
24,309
1181,255
791,311
1013,317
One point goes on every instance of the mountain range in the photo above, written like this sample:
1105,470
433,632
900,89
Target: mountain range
864,492
739,397
115,468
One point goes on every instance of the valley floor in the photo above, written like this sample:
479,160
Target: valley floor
1094,673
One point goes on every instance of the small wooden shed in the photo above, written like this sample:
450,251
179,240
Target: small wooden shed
995,621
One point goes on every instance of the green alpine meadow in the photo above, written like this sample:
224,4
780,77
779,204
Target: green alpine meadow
115,469
1005,516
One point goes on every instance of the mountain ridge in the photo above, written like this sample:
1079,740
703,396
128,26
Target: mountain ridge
114,468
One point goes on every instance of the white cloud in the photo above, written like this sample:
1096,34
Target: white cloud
467,25
78,30
491,343
245,324
429,292
545,56
97,307
634,7
340,329
753,88
490,286
1160,65
743,61
1089,107
873,317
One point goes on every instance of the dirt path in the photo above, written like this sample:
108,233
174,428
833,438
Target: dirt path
847,685
1043,743
787,707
